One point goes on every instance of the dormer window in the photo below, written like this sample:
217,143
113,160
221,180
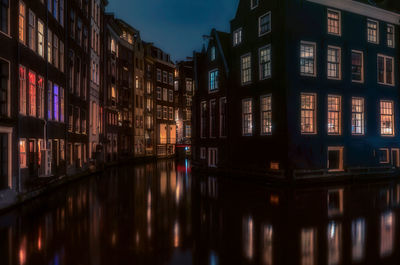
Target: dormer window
253,4
237,37
212,55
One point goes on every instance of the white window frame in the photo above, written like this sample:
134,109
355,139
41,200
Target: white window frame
339,131
377,31
251,113
314,74
252,5
341,158
362,66
384,67
339,49
212,163
357,112
315,128
393,118
237,41
267,111
216,81
268,62
340,22
9,132
241,69
259,24
394,35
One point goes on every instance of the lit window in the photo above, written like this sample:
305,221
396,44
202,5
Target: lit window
266,114
113,92
22,90
212,55
49,100
390,36
56,102
62,103
49,45
308,113
307,59
165,113
357,66
253,4
40,92
245,65
40,38
334,115
171,113
385,70
357,116
334,23
265,62
159,112
247,117
22,154
387,118
373,31
264,24
334,61
176,85
189,85
22,27
237,37
213,81
32,94
165,94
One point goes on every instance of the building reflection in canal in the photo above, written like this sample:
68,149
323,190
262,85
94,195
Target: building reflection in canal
161,214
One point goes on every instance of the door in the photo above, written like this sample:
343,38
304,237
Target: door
395,158
335,158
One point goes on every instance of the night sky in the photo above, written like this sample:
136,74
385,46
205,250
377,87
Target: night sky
176,26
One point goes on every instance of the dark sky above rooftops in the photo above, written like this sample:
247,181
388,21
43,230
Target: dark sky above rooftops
175,26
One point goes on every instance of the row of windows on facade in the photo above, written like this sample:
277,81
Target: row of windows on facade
36,146
308,115
188,85
32,96
334,27
76,120
208,118
165,94
34,38
77,76
165,77
385,65
308,67
117,119
167,113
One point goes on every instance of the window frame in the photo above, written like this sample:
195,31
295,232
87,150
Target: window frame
393,34
252,5
314,44
341,158
9,86
238,31
267,47
222,101
339,63
340,22
387,161
268,14
377,31
385,70
23,26
251,113
314,110
216,81
266,132
25,141
241,69
362,66
363,121
340,118
8,33
393,118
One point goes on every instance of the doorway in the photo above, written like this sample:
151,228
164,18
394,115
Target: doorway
335,158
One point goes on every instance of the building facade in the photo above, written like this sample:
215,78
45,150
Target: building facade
321,98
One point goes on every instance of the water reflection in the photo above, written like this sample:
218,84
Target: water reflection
162,214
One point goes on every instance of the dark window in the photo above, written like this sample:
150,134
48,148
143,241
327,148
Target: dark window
4,81
3,161
356,66
4,6
213,125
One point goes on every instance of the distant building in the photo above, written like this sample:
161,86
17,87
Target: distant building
312,88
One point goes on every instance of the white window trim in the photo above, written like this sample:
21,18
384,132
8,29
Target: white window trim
251,5
9,132
209,75
340,63
259,62
259,24
220,120
387,156
315,58
241,70
377,31
384,65
241,37
341,157
364,115
315,132
340,22
393,121
261,119
362,66
340,115
394,35
252,116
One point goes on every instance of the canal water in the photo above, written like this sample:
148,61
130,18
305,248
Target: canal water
162,214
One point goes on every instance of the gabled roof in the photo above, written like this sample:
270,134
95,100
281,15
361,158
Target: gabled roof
390,5
222,40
